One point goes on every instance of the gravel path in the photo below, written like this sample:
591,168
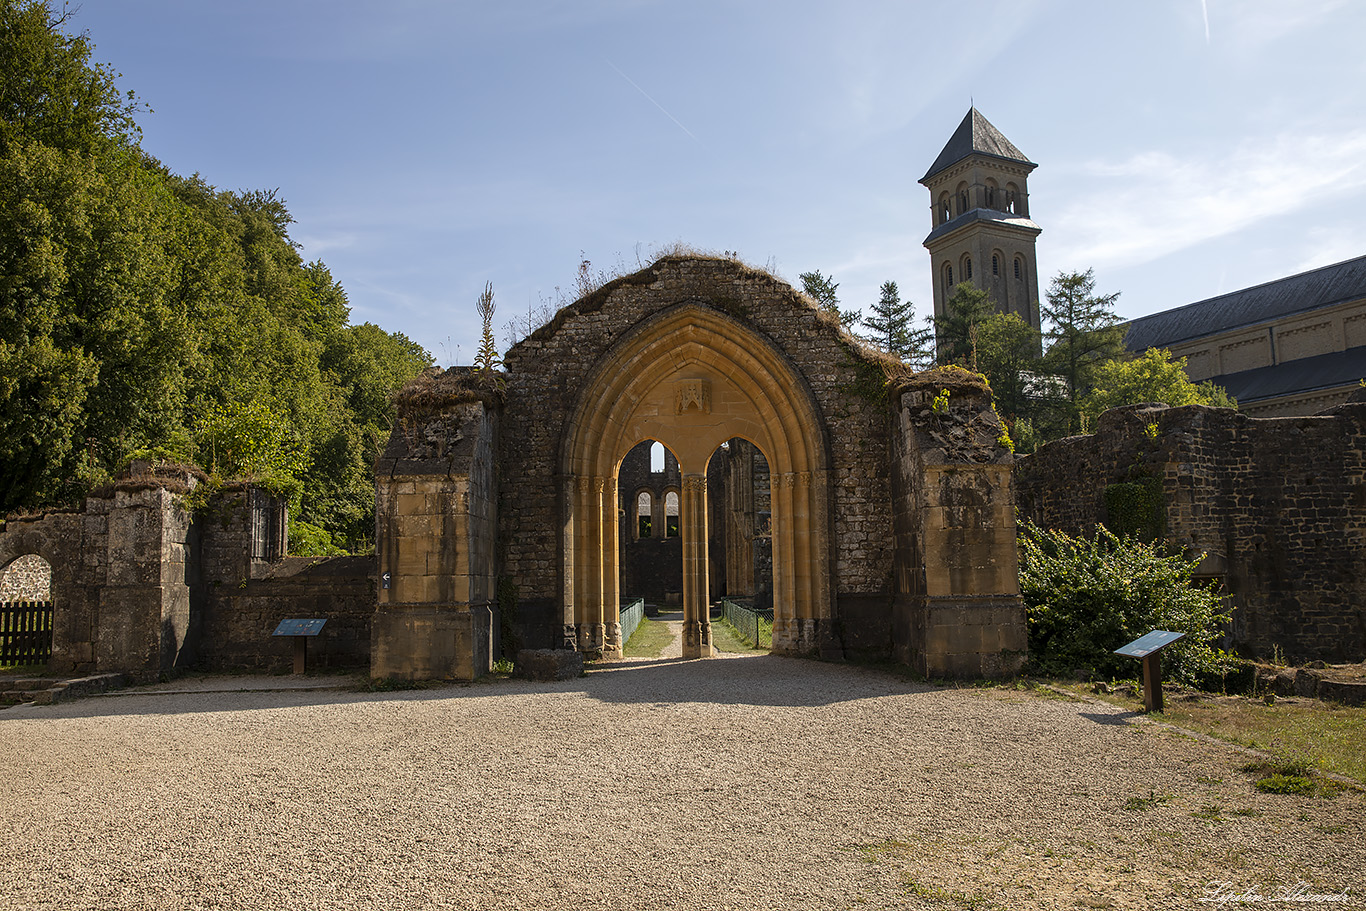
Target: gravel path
752,782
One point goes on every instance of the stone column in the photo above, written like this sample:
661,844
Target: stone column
610,605
692,515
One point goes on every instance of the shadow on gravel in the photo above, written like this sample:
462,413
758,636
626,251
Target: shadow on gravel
757,680
1115,718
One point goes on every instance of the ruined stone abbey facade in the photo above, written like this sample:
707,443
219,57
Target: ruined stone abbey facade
890,513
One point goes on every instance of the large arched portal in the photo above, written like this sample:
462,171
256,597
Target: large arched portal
693,378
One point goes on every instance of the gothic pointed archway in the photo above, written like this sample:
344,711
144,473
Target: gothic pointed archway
692,378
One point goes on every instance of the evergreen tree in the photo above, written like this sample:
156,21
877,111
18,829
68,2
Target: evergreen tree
1083,331
956,331
821,289
892,328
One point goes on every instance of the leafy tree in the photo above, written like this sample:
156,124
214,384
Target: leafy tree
1083,330
146,313
892,326
1084,598
50,92
1007,349
1154,376
956,330
821,289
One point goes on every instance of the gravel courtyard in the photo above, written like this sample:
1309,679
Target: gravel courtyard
747,782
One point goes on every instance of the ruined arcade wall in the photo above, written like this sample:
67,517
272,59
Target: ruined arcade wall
1275,508
546,376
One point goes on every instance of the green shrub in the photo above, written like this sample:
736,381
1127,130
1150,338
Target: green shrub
1085,598
308,540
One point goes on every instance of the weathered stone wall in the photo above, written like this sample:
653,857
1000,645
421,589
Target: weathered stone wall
239,601
1275,508
121,578
436,516
546,377
27,578
957,610
140,584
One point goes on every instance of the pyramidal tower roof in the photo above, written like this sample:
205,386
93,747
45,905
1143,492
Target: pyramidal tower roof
975,136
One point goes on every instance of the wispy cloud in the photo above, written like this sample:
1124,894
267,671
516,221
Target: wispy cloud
1154,203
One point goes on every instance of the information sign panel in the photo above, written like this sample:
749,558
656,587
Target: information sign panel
1144,646
299,628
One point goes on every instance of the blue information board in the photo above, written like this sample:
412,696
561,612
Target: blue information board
1144,646
299,628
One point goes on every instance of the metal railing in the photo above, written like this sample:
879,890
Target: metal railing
753,625
631,615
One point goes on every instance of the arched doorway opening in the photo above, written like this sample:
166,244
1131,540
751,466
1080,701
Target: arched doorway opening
739,552
693,378
26,612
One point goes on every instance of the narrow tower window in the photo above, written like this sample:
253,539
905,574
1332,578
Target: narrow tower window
1019,268
967,268
995,264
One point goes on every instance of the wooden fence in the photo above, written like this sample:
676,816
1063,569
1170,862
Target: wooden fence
25,632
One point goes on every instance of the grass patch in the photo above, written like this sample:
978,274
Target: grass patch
726,638
1289,776
649,640
1329,737
1139,804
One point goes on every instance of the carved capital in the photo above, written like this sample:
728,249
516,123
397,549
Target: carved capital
789,479
598,484
695,484
804,479
582,483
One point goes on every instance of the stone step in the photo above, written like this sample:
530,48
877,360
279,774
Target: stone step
50,690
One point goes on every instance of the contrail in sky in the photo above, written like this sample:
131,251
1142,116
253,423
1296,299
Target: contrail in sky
1204,8
652,101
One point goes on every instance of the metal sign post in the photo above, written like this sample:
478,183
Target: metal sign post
1149,649
302,631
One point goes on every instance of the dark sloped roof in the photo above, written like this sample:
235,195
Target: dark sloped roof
1306,374
1321,287
975,135
987,215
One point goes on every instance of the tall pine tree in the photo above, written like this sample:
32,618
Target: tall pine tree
891,326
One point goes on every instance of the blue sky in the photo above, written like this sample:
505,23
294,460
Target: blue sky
1184,148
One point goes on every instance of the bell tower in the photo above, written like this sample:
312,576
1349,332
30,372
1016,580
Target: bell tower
979,205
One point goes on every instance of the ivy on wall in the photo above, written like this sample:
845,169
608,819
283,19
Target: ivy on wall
1137,509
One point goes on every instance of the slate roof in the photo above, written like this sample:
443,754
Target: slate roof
987,215
1306,374
975,135
1321,287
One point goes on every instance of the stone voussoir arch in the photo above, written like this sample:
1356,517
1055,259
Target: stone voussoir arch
693,377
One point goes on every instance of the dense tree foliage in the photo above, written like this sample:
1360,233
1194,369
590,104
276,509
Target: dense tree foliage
145,313
1044,393
956,329
1154,376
